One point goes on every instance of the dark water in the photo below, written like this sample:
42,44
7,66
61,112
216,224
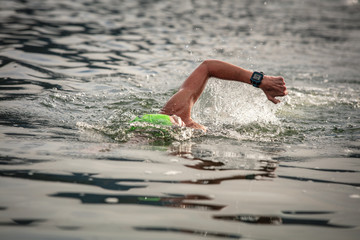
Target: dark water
73,73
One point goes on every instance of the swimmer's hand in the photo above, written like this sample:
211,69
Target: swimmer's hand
273,87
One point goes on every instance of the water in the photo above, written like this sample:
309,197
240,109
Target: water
73,73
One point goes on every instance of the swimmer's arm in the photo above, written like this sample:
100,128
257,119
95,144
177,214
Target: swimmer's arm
181,103
272,86
196,82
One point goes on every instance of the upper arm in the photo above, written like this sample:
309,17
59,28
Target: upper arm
196,82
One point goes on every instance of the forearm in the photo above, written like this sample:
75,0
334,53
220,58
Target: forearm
227,71
272,86
194,85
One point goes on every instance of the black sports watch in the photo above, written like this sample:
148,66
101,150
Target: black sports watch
256,78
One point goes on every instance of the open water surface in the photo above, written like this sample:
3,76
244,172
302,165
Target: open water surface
73,73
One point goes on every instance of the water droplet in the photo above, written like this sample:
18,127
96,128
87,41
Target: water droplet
172,172
112,200
354,196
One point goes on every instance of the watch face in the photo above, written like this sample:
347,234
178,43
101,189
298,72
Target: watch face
257,77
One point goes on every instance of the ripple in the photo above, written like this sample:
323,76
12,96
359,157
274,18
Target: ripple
41,59
172,201
280,220
194,232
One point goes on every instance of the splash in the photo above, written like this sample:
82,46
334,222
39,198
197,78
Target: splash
140,132
235,104
239,111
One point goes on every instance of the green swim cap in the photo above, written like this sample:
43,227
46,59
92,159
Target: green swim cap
158,119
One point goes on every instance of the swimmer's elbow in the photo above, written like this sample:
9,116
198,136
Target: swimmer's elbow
206,64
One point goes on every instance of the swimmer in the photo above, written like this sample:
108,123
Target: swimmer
177,111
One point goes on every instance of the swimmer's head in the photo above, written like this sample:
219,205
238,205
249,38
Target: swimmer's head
164,119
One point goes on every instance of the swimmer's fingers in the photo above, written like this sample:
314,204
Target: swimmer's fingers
272,99
274,87
272,95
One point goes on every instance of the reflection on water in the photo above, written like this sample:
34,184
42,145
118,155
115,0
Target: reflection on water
172,201
76,178
201,158
119,184
259,177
